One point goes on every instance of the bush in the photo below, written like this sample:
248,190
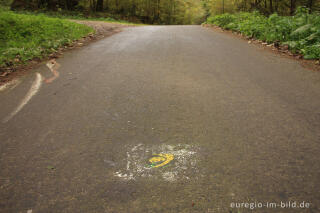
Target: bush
222,20
300,32
23,37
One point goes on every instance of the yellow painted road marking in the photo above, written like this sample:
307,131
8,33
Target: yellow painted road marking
160,160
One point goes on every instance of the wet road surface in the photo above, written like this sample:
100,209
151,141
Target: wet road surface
162,119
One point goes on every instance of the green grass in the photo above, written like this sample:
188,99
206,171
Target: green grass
25,36
75,15
300,32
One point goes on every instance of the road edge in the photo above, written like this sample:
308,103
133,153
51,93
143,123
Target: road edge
313,65
17,71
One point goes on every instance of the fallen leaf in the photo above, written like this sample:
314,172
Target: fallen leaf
51,167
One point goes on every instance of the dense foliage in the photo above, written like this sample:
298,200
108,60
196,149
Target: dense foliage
267,20
23,37
266,7
300,32
145,11
163,11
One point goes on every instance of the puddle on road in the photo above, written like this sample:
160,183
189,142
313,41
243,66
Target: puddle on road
166,162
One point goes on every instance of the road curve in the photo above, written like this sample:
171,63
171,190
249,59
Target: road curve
163,119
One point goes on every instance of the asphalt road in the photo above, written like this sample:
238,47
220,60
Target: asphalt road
162,119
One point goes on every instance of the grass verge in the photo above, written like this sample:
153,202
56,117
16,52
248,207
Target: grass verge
26,36
300,33
75,15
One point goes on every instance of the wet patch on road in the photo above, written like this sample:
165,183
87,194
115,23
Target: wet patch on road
163,162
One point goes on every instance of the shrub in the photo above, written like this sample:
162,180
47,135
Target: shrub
300,32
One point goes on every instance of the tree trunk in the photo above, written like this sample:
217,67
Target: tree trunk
133,8
100,5
292,7
106,5
265,4
93,5
158,9
310,4
117,6
222,6
271,7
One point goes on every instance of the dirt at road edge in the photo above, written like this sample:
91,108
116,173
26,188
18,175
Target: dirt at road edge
281,50
103,29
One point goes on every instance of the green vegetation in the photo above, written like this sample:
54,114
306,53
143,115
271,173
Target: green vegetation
38,27
265,7
300,32
137,11
23,37
160,11
76,15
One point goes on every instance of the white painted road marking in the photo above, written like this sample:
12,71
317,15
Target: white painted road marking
11,84
32,91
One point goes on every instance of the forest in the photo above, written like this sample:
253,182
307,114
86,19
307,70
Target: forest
162,11
36,28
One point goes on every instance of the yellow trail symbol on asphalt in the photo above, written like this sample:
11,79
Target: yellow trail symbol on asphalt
160,160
